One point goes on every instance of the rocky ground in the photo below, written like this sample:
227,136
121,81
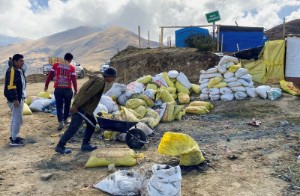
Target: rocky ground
240,159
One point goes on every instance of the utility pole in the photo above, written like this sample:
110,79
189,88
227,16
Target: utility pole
139,30
283,28
149,39
162,37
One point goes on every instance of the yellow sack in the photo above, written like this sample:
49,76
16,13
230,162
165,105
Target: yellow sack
196,110
110,135
117,156
167,79
171,90
29,100
168,115
234,68
180,115
148,101
141,110
182,145
152,118
177,109
214,81
134,103
220,85
289,87
165,96
174,80
126,115
45,95
183,98
196,88
174,96
181,89
208,105
145,79
151,86
26,110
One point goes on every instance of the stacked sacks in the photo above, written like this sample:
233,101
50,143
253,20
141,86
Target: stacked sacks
227,81
199,107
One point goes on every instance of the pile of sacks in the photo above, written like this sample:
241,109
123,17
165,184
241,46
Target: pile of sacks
227,81
152,99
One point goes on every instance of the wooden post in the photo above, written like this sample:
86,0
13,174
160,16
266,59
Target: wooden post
222,43
139,30
214,25
162,37
218,39
149,39
283,28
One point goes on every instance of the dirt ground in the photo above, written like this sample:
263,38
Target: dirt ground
241,160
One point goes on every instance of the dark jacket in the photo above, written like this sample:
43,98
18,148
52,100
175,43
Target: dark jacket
89,95
13,88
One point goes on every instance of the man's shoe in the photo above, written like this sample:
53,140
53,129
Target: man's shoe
62,150
19,138
60,126
16,143
88,147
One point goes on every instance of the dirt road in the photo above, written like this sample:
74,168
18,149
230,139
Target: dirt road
241,160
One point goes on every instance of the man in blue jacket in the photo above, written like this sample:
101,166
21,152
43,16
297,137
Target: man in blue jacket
15,93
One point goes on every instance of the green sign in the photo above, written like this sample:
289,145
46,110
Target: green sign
213,16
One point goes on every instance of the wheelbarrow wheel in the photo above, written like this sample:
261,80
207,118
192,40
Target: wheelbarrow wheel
134,138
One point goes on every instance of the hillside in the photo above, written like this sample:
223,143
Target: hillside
292,27
90,46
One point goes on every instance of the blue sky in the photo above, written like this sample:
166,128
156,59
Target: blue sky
39,18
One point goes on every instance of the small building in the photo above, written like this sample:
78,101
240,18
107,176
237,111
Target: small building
235,38
182,34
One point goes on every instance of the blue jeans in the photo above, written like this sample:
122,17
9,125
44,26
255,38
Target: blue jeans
76,122
63,97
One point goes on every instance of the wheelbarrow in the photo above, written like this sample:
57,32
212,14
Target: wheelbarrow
135,138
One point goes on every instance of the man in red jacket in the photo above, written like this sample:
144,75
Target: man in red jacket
65,76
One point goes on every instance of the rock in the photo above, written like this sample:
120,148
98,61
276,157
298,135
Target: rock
1,177
228,140
284,123
232,157
286,177
298,157
46,176
111,168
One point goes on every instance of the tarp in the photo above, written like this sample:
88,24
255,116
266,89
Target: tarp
270,67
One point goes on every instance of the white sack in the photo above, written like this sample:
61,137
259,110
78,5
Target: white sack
227,97
262,91
135,87
238,88
222,69
227,59
241,72
228,74
205,91
109,103
39,104
159,80
208,76
231,79
173,74
100,108
214,91
184,80
203,86
240,95
251,92
203,81
214,97
204,96
246,83
274,93
235,83
211,70
225,90
116,90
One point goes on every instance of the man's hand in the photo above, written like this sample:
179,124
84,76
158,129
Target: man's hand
74,109
75,93
16,103
45,89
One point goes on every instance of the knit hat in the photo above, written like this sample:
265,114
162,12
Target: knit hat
110,72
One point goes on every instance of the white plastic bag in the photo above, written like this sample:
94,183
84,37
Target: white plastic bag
39,104
184,80
227,59
150,93
247,77
203,86
238,88
240,95
222,69
203,81
159,80
208,76
227,97
241,72
122,99
145,128
214,97
122,182
246,83
211,70
251,92
228,74
173,74
116,90
100,108
262,91
214,91
274,93
235,83
204,96
225,90
109,103
228,64
135,87
165,181
205,91
231,79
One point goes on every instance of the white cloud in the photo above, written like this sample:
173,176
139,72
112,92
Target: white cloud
17,18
